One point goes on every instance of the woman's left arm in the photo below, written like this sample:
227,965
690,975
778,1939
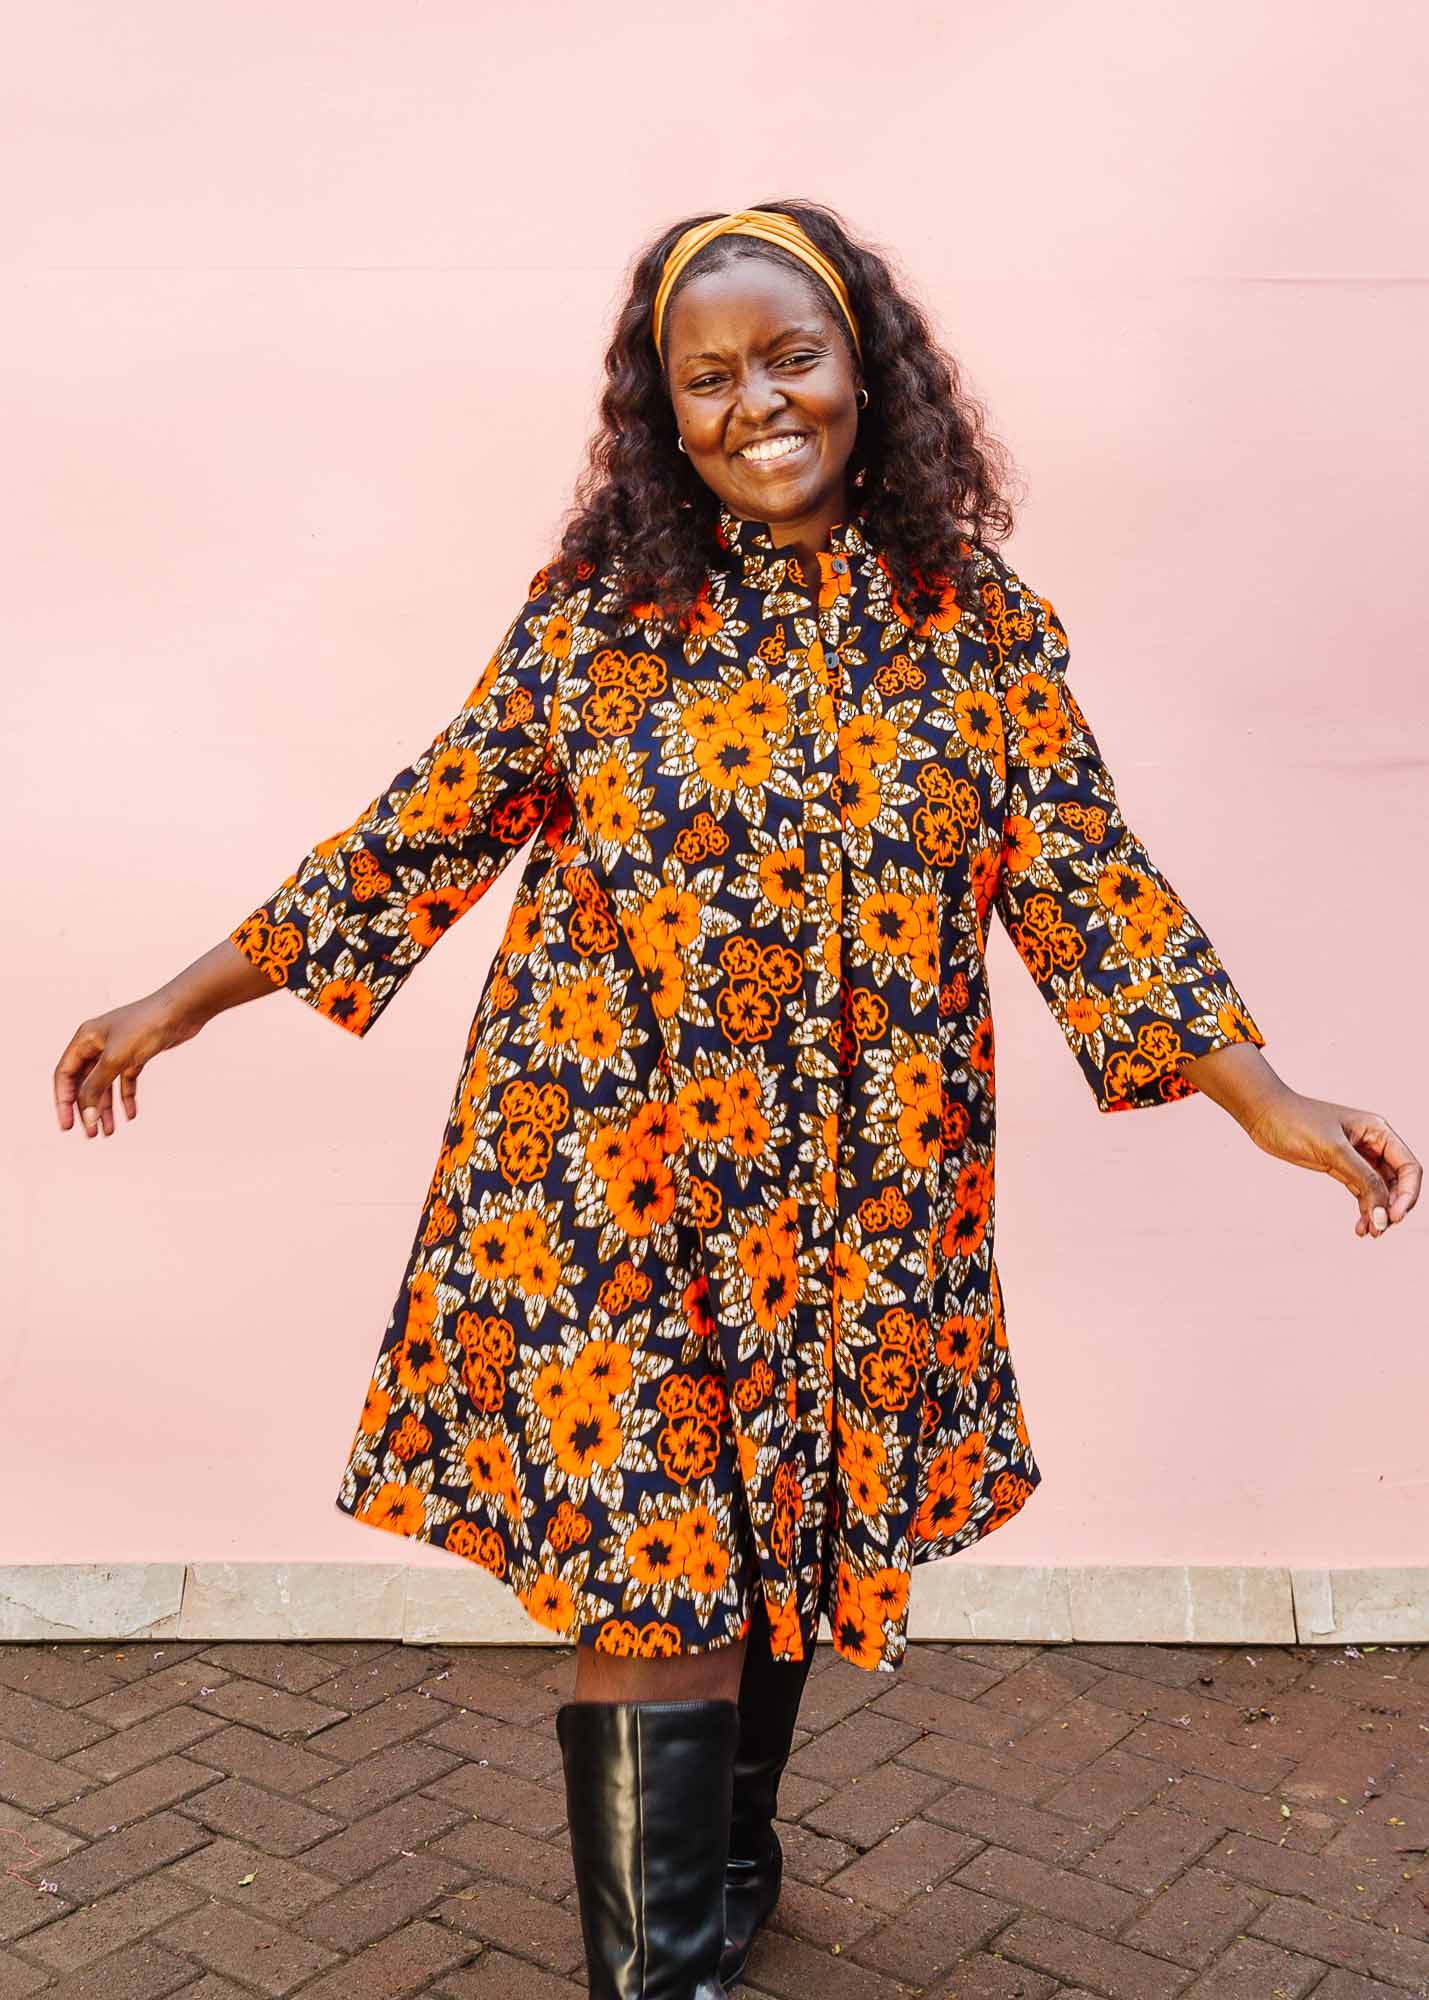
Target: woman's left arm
1359,1149
1141,994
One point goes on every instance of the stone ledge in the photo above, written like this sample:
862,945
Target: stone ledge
1386,1607
423,1605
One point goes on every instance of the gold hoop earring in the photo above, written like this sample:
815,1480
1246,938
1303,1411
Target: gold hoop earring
682,447
864,404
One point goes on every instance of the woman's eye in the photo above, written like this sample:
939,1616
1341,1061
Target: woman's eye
806,354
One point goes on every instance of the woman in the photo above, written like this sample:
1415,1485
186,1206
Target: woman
701,1331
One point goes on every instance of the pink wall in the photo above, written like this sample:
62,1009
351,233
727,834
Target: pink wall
302,324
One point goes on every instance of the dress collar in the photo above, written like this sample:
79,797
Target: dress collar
753,542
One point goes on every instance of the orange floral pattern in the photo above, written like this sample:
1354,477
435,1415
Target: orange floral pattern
702,1298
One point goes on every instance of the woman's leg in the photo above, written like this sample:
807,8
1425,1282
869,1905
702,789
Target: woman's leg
715,1675
648,1748
769,1697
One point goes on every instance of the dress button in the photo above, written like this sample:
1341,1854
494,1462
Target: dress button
840,565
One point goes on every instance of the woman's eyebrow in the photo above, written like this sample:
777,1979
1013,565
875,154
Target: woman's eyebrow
784,333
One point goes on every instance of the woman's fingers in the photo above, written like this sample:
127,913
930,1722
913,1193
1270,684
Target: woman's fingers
1375,1140
90,1096
1403,1172
94,1099
1365,1183
1369,1165
84,1045
108,1050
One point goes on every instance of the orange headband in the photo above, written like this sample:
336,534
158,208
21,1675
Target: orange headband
775,227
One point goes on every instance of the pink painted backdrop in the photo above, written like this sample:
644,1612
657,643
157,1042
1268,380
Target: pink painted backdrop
303,316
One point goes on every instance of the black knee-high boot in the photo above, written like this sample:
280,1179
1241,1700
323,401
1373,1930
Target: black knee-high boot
769,1695
648,1787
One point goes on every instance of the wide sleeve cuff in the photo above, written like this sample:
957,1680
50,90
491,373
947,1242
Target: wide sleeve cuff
1130,975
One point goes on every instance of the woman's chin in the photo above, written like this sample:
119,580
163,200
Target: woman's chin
770,499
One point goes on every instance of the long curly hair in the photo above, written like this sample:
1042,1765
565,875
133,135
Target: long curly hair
924,474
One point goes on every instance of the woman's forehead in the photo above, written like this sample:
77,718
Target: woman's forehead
744,303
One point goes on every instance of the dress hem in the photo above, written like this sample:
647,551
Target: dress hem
571,1635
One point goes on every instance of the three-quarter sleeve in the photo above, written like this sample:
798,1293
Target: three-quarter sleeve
1124,966
365,906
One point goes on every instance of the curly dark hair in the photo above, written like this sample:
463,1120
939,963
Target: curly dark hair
924,473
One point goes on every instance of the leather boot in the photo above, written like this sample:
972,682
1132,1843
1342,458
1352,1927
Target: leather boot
648,1788
769,1695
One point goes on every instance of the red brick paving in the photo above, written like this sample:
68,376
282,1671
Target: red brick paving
992,1822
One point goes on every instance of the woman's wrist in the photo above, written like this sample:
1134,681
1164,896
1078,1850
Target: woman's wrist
1239,1079
221,978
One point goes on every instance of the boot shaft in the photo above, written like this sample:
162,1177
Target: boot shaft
648,1794
770,1692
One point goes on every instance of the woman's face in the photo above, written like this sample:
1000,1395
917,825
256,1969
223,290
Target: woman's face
754,358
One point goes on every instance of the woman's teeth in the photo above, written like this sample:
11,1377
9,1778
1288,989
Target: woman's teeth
781,447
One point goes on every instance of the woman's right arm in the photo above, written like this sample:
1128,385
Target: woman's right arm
365,906
116,1045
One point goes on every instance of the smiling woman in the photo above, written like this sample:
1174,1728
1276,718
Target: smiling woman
767,403
831,345
701,1335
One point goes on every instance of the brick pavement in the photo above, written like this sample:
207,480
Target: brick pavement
992,1822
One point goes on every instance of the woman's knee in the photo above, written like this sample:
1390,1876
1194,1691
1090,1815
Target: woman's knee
712,1674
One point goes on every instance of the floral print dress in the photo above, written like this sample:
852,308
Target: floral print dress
702,1296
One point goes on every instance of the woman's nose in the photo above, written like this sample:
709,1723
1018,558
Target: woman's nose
757,395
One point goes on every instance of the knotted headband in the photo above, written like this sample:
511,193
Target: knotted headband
775,227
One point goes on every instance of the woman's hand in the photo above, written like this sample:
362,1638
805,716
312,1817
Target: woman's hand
115,1045
1359,1149
119,1043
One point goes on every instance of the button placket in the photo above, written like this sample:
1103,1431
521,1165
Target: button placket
819,1071
812,1355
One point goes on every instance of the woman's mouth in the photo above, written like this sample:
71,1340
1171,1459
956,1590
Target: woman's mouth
776,452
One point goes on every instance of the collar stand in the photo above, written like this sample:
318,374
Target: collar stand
754,541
